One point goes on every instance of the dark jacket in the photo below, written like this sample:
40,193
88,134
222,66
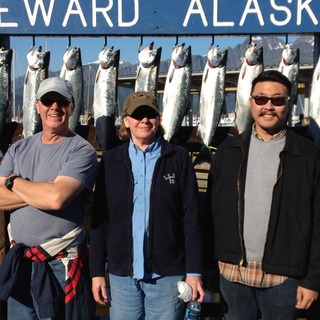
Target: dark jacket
174,241
293,239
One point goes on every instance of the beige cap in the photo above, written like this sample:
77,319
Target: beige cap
55,84
138,99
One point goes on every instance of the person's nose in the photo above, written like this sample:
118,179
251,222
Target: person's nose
145,119
269,105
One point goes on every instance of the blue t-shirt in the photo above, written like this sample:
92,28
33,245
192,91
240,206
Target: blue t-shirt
30,158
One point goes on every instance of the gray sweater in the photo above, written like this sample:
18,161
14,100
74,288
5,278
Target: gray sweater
263,164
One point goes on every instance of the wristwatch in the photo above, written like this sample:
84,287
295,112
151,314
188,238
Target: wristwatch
9,182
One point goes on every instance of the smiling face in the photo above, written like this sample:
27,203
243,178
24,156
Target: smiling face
269,119
54,110
143,125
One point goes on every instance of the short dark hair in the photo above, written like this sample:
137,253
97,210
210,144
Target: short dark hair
273,76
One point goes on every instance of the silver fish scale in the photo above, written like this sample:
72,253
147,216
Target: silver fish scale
148,70
212,94
106,86
176,97
72,71
251,67
5,82
37,71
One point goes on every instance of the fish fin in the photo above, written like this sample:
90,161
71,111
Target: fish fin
97,75
26,77
244,72
205,76
138,71
204,156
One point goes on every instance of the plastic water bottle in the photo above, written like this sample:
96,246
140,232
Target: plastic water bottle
193,311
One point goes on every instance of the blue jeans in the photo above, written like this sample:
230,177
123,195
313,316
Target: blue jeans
151,299
274,303
22,305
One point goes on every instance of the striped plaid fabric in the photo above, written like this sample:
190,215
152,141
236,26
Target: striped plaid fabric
251,275
74,268
63,249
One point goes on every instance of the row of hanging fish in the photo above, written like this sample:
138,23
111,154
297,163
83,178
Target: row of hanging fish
176,97
37,71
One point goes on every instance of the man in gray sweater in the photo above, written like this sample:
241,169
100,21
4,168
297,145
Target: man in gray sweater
264,189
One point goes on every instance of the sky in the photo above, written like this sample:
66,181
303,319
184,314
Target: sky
91,46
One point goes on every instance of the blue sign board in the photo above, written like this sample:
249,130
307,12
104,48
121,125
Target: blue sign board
158,17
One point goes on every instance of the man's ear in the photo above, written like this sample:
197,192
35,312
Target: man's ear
72,107
37,106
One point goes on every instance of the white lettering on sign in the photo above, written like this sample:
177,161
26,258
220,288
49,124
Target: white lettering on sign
199,17
252,7
216,23
280,8
255,10
192,10
6,24
135,15
39,5
77,11
104,12
305,6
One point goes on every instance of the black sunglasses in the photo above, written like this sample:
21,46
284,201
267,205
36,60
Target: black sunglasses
144,113
47,102
276,101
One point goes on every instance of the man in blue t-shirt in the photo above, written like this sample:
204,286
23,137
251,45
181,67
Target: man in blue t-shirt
43,181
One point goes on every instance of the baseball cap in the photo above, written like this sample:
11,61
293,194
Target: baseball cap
55,84
138,99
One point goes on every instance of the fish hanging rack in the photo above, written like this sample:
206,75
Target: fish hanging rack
34,43
69,43
105,42
212,42
140,44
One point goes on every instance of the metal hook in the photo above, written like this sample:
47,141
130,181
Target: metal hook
141,42
69,43
33,42
212,42
105,42
177,38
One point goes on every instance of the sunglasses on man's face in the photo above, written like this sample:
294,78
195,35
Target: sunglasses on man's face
276,101
48,102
